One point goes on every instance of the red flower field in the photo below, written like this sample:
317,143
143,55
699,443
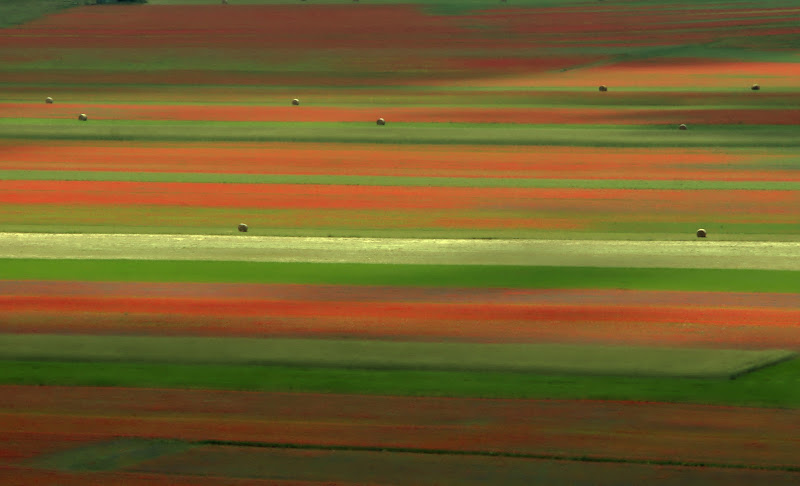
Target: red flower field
178,97
708,319
543,162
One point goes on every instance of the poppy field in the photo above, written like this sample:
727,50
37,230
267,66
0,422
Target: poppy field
501,284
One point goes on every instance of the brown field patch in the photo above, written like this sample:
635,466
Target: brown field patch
716,434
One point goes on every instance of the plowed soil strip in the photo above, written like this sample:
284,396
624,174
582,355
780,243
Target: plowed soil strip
609,253
692,433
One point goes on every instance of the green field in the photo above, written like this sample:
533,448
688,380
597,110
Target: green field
778,136
692,279
391,355
774,386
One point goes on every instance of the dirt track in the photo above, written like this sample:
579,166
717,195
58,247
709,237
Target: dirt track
674,254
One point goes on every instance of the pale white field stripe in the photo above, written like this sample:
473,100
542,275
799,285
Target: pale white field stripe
604,253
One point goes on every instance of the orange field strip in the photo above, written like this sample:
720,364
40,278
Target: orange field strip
727,203
398,160
554,314
695,333
726,320
689,74
396,294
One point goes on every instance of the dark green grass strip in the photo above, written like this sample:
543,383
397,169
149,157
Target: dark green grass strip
110,455
13,12
719,97
354,180
722,280
405,133
480,453
773,386
394,355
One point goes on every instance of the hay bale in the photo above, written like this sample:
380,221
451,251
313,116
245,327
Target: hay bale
701,233
682,126
295,102
243,227
48,100
83,117
381,121
603,87
224,2
755,87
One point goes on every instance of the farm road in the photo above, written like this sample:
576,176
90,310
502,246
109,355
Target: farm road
605,253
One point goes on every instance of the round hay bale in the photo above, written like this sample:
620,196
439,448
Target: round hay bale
701,233
682,126
83,117
755,87
603,87
295,102
243,227
48,100
381,121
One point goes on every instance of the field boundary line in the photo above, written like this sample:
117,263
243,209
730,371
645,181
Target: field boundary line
519,455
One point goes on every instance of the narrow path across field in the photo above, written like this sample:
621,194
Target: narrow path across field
607,253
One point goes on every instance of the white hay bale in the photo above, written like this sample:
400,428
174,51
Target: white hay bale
83,117
242,227
295,102
48,100
682,126
755,87
381,121
701,233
